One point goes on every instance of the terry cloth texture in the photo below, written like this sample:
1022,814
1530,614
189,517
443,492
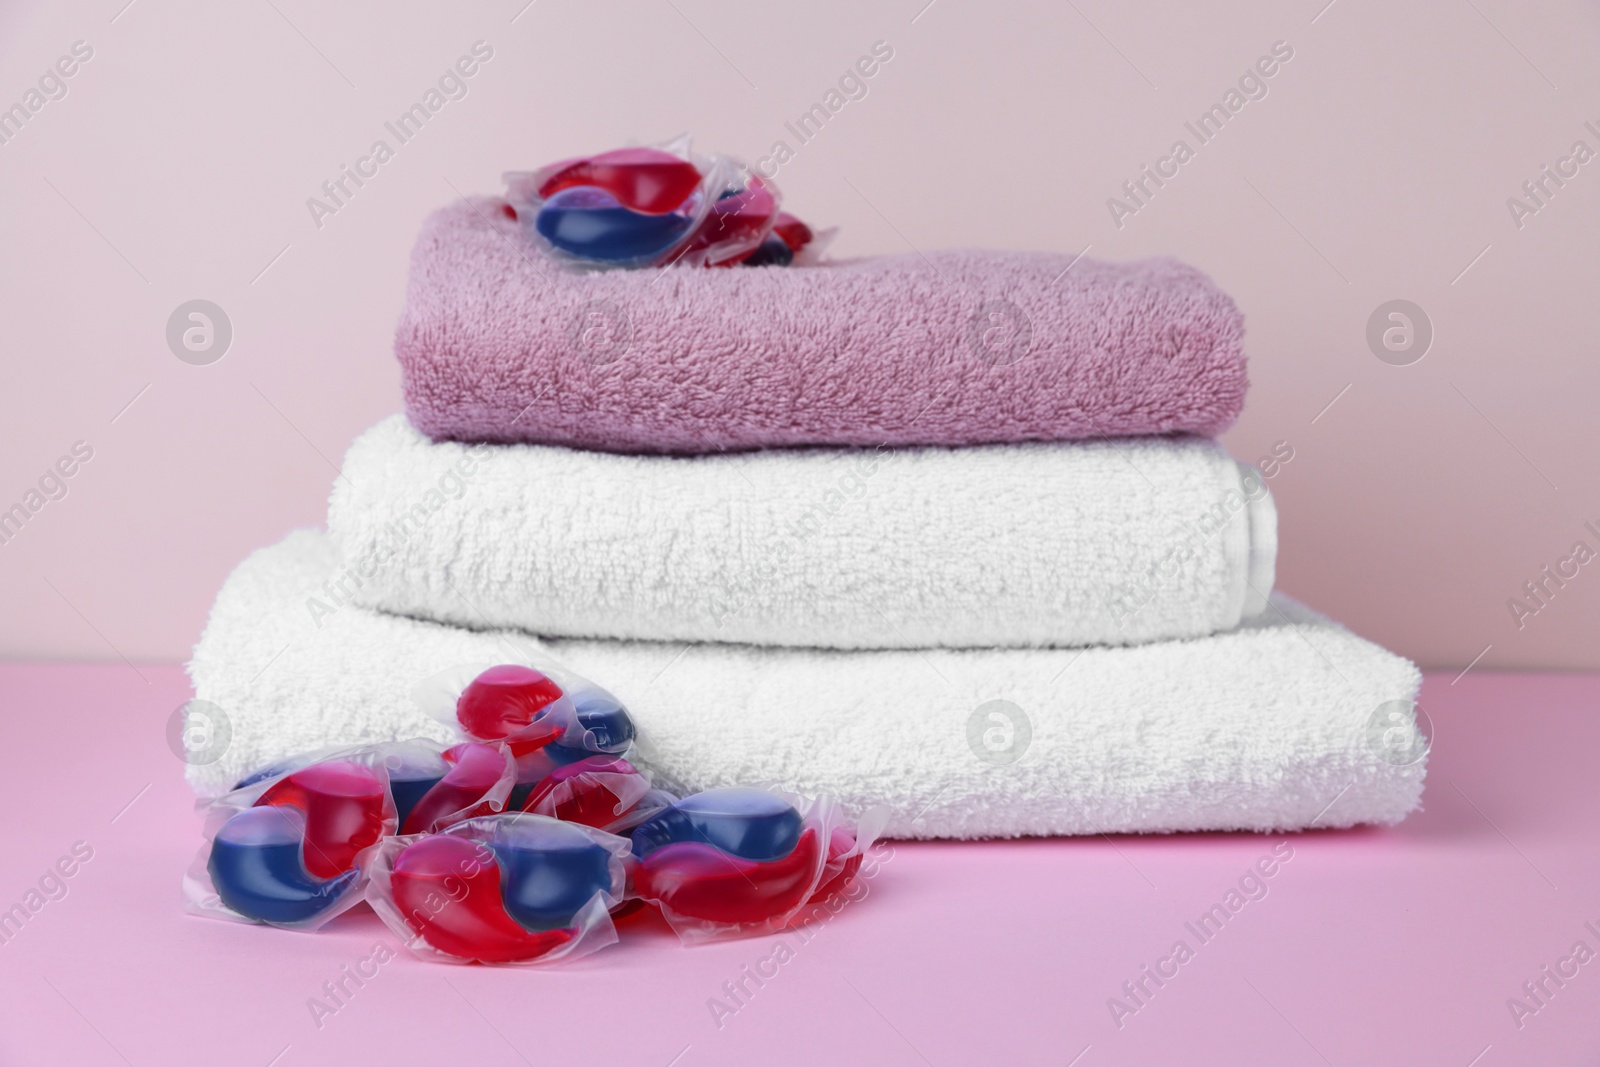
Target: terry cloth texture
1263,728
1028,545
497,343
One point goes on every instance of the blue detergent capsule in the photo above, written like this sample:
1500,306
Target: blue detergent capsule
271,770
607,730
608,725
549,870
751,823
412,772
409,786
589,223
772,253
258,868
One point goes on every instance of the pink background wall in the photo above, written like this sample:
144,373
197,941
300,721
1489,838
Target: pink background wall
1378,166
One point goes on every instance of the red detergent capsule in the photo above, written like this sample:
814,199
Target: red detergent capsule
836,874
506,701
596,791
703,882
448,890
344,806
792,232
736,224
474,770
646,180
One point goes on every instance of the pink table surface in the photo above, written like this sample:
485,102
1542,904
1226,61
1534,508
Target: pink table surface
1396,946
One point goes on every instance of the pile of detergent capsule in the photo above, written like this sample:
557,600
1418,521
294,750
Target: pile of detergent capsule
519,843
657,207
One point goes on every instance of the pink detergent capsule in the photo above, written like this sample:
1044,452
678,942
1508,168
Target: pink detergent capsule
598,791
448,891
344,805
508,702
701,881
736,861
844,861
792,232
508,888
736,224
475,770
646,180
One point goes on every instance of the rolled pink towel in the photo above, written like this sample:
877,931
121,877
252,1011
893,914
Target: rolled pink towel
497,343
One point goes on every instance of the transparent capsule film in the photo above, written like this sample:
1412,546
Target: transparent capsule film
458,896
694,233
291,848
704,899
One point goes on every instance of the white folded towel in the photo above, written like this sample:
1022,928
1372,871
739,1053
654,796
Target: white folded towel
1035,545
1264,728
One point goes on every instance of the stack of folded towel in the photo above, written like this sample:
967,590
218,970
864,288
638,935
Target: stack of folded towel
944,533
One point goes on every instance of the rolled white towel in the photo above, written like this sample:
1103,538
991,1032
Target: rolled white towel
1288,722
1021,546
